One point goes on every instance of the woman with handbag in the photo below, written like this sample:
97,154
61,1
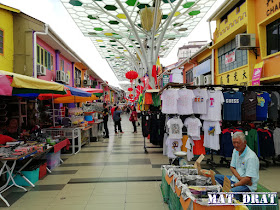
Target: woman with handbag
133,118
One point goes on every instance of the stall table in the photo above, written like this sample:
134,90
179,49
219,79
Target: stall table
97,127
10,170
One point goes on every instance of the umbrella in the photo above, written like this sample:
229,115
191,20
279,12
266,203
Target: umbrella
74,99
21,85
97,92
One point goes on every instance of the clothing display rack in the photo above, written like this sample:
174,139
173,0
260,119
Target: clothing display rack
223,160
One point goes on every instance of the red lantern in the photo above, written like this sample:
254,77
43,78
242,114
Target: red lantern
130,95
130,89
131,75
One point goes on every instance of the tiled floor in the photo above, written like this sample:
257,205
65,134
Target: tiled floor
113,173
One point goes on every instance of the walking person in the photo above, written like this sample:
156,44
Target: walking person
117,119
133,118
105,120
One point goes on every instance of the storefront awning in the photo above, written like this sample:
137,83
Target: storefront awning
12,83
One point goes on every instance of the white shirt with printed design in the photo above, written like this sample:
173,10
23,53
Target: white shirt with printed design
193,125
214,106
200,101
169,101
175,126
173,145
185,102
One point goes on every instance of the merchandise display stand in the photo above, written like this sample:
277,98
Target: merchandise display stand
12,172
266,158
145,147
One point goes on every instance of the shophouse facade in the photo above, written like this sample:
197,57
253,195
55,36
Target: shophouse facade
233,66
6,38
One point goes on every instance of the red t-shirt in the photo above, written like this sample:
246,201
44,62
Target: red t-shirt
112,111
4,139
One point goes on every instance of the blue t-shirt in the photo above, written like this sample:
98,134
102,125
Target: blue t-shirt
232,106
262,106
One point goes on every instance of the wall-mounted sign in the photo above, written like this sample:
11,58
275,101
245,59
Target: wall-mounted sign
230,57
165,79
257,74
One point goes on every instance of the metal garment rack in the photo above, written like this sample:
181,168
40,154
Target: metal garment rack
145,147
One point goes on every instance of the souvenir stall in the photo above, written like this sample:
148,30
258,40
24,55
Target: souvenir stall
153,121
75,127
206,117
24,152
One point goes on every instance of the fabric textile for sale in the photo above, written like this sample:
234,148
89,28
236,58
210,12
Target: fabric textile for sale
169,101
249,106
274,106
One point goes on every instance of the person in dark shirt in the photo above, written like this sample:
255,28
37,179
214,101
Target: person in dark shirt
117,119
105,120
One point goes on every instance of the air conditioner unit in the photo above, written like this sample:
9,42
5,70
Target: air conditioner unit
245,41
67,79
199,80
41,70
78,81
60,76
87,82
208,79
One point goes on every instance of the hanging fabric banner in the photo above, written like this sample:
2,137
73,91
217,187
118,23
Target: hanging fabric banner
257,74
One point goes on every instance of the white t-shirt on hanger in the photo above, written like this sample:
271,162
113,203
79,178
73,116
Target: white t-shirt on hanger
175,126
193,125
169,101
173,145
214,106
177,75
200,101
189,146
211,134
185,102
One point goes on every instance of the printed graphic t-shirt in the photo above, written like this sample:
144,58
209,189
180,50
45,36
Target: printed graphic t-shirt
193,125
262,106
200,101
173,145
169,101
214,106
232,106
189,146
211,135
175,128
249,106
185,102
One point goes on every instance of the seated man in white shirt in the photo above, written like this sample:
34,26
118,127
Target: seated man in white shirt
244,166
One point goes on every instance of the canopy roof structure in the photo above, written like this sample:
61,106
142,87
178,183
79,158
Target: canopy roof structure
131,34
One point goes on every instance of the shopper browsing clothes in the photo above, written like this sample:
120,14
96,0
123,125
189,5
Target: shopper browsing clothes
117,119
133,118
244,166
105,120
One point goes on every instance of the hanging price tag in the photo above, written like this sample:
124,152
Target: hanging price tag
246,133
147,117
158,116
231,133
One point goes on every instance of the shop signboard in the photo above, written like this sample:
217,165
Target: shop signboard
230,57
257,74
165,79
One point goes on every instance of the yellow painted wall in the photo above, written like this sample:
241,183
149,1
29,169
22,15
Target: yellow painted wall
238,21
6,24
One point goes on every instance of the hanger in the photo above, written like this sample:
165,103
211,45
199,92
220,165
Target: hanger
192,116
